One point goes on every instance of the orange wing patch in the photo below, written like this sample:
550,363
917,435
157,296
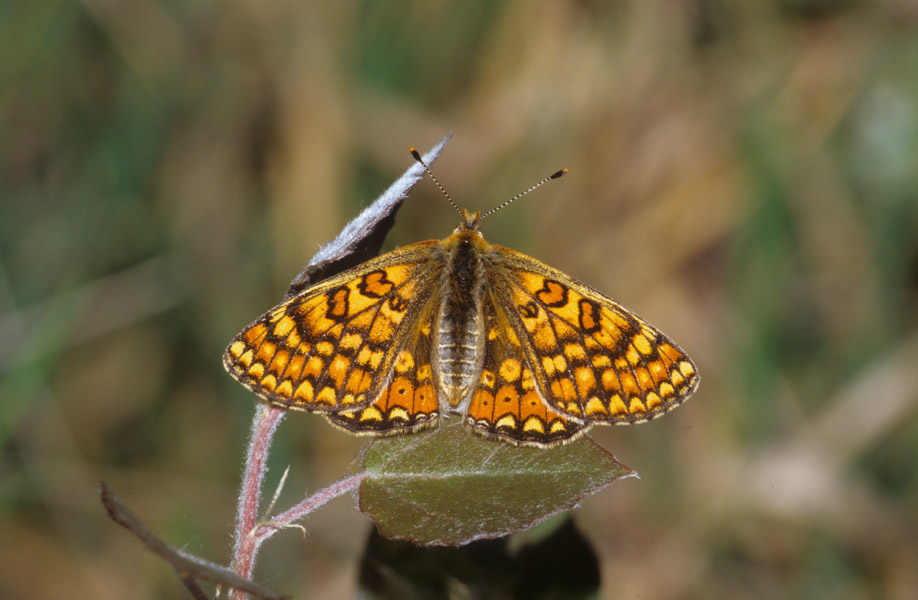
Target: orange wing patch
506,403
409,402
331,347
597,362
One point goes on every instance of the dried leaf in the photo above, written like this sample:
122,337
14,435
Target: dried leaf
361,239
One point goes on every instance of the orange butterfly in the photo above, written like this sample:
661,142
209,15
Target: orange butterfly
526,353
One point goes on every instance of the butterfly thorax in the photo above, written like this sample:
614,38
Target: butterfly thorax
458,344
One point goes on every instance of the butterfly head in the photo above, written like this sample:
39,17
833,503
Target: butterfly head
469,220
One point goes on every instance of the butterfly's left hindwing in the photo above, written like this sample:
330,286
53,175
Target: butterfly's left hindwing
332,347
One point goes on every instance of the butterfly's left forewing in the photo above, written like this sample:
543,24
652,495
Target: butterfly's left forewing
333,346
595,361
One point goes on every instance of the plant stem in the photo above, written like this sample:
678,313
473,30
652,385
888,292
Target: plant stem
250,533
264,424
188,567
291,515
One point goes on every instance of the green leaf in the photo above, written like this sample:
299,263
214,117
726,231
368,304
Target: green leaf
450,487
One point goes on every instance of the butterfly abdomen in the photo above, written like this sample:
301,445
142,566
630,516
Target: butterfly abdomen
459,327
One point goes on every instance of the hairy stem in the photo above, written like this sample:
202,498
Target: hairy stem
250,533
291,515
264,424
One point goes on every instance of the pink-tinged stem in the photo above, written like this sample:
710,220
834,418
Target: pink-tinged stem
281,521
264,424
249,533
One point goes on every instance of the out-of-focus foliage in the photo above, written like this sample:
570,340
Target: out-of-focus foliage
743,175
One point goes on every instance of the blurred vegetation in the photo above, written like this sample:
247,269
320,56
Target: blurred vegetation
743,174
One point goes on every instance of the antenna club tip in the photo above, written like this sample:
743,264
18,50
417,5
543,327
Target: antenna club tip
415,154
558,174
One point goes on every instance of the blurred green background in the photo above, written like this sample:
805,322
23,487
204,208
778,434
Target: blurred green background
743,174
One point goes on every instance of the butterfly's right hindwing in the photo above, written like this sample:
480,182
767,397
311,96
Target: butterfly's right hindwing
507,404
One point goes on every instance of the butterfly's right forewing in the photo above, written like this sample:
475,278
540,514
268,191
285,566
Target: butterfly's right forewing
595,361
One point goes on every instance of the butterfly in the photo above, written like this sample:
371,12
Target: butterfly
523,352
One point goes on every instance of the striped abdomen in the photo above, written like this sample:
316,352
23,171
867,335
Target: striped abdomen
459,331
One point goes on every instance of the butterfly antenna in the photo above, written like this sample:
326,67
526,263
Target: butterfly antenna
551,177
418,158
